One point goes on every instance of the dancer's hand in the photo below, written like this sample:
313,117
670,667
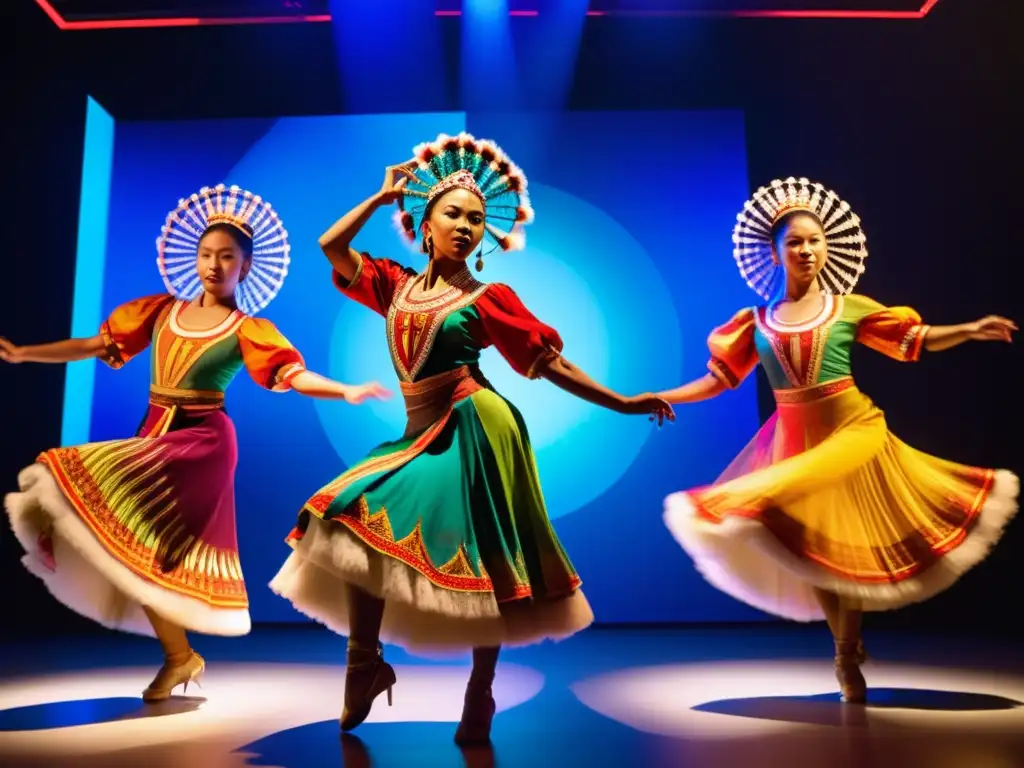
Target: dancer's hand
395,179
362,392
992,328
658,408
10,352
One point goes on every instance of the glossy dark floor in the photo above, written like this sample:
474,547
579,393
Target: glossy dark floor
761,696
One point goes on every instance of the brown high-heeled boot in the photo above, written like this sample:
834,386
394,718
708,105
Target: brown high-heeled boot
366,677
478,708
477,715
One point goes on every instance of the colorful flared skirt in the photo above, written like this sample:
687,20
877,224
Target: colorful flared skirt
825,496
114,527
448,525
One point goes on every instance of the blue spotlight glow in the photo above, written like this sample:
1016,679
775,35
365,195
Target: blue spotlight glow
389,55
489,79
551,43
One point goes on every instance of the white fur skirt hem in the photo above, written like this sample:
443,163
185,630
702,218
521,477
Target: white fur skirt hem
418,614
89,579
743,558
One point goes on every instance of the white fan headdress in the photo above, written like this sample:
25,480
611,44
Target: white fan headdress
844,236
251,214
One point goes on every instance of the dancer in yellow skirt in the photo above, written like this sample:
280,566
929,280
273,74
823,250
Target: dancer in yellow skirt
825,513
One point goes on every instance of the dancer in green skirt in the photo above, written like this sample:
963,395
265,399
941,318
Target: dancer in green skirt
441,539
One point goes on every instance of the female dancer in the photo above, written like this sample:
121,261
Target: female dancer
139,534
826,514
441,538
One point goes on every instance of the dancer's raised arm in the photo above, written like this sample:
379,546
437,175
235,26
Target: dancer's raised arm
336,242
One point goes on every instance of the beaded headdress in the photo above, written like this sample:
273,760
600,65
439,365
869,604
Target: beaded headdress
251,214
480,166
752,240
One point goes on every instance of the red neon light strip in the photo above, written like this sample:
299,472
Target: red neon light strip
510,13
57,19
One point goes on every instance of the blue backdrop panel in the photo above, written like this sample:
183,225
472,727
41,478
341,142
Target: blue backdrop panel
629,258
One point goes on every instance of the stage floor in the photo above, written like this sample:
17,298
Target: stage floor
745,696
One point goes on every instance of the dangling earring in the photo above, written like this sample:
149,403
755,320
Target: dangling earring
480,263
430,247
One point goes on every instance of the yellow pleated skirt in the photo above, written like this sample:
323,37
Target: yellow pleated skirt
825,496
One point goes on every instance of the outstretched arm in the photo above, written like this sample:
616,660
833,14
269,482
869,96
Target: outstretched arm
336,242
534,350
991,328
55,352
123,335
900,333
275,364
575,381
704,388
314,385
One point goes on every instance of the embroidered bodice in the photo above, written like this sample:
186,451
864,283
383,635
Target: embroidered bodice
434,334
816,351
207,360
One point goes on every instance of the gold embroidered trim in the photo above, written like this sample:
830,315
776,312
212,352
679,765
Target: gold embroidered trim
358,273
723,373
784,327
546,357
174,396
817,392
781,337
374,529
185,348
434,311
111,354
913,341
429,384
121,493
283,378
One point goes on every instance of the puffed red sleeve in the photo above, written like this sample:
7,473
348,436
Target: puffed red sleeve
375,282
896,332
129,328
733,352
269,357
523,340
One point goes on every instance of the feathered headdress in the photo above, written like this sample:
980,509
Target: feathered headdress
480,166
251,214
843,235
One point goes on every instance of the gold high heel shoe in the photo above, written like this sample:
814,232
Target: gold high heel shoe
171,676
380,677
477,714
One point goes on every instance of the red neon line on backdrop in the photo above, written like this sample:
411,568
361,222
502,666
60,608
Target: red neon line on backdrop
57,19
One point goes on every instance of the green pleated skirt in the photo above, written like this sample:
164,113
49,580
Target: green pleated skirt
448,525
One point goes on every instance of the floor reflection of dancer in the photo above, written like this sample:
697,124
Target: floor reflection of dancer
826,514
441,538
139,534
